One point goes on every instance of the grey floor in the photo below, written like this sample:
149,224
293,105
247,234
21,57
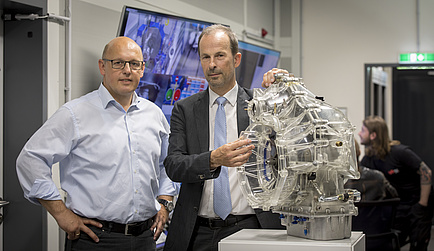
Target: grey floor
430,246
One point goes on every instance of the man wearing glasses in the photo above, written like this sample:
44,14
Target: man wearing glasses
110,145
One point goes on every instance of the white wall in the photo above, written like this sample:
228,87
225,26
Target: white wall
340,36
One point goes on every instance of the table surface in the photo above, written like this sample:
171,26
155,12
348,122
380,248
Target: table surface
266,239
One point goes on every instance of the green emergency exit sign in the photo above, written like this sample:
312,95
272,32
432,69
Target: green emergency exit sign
407,58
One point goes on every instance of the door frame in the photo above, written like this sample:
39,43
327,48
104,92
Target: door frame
1,116
389,89
23,103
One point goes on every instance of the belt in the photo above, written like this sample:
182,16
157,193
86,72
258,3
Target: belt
219,223
128,229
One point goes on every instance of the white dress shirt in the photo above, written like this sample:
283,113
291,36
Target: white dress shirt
110,160
240,205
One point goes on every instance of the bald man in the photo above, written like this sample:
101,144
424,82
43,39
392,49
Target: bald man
110,145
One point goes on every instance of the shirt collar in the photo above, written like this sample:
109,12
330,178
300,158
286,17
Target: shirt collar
231,96
107,98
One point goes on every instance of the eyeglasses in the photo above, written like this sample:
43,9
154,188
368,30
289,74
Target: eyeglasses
119,64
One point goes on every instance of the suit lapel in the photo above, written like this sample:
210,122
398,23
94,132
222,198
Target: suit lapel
242,116
201,115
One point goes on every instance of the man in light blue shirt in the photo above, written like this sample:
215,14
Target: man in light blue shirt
110,145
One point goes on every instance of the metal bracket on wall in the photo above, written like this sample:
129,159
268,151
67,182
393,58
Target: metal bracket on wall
258,38
62,20
18,17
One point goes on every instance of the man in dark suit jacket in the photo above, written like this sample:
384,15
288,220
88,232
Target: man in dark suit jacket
193,161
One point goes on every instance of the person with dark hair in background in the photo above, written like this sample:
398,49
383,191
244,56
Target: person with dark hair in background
110,145
211,205
411,177
372,184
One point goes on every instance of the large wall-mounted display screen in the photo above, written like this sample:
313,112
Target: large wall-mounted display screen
173,70
255,61
169,45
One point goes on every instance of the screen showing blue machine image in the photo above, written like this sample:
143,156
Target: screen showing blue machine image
255,61
169,45
172,66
